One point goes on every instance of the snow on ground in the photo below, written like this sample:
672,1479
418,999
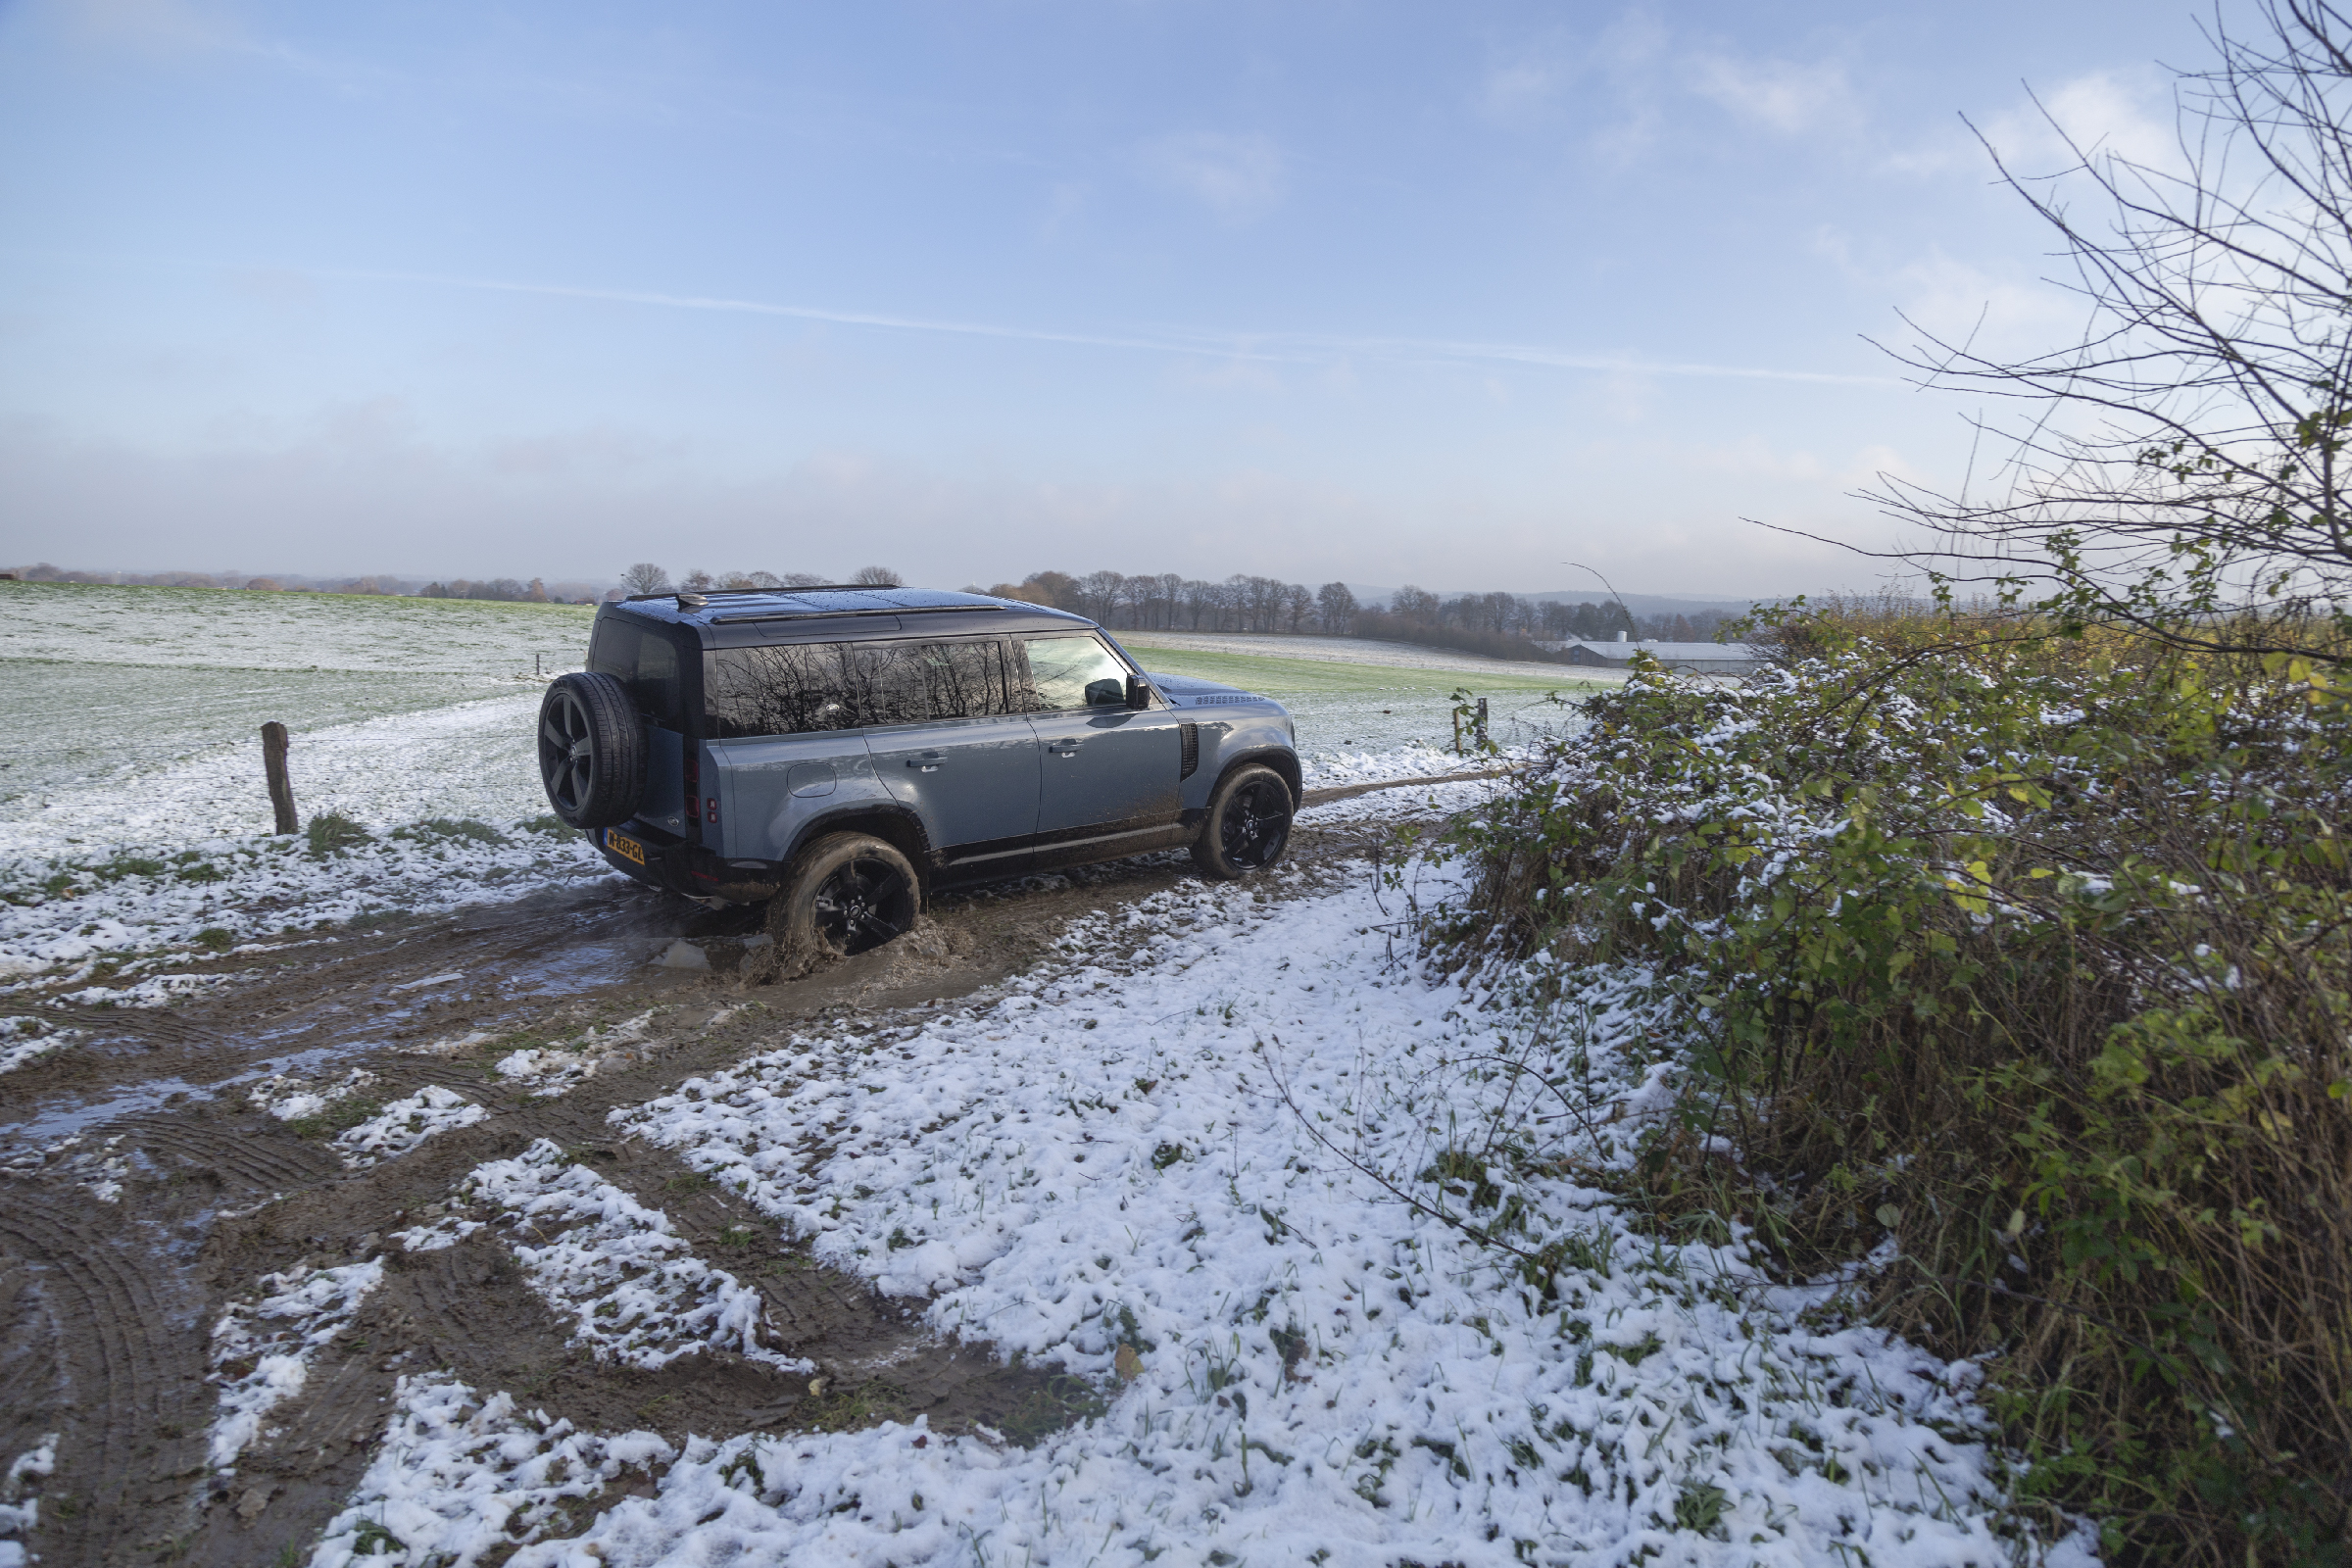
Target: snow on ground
220,891
261,1349
554,1069
1177,1162
291,1097
20,1516
403,1124
159,990
616,1270
98,1168
25,1041
471,759
474,1474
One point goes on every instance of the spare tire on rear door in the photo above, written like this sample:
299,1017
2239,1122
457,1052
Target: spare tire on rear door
591,750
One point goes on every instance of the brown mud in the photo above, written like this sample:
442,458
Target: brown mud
106,1308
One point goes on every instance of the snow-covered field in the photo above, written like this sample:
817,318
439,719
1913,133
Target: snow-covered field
110,685
1202,1162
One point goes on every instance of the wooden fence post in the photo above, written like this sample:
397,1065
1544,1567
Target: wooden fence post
281,789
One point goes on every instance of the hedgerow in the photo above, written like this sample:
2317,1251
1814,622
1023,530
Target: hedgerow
2018,972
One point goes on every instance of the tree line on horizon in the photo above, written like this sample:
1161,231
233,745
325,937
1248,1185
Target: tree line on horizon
535,591
1244,603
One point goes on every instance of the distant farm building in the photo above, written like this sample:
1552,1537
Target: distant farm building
1704,658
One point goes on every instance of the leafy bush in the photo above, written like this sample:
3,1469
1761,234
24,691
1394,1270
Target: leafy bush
2032,953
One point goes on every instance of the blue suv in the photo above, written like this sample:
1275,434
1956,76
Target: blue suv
838,753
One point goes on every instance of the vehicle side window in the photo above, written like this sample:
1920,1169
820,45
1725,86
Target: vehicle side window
646,664
1061,673
802,687
791,689
964,680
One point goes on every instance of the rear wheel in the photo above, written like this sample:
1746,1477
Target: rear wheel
591,750
1248,826
850,892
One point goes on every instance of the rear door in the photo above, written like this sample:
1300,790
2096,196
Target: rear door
645,661
1110,772
947,739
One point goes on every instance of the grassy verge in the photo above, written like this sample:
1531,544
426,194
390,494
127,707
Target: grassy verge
2022,965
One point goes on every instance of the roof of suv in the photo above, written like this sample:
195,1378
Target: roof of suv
734,616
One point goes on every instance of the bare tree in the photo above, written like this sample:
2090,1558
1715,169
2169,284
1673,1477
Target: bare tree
1417,605
2186,457
1335,607
878,577
1099,594
645,578
802,579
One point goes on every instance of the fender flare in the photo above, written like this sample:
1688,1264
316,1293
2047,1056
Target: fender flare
1280,759
894,823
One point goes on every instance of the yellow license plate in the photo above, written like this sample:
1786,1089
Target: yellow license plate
622,845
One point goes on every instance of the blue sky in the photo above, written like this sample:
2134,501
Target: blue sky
1450,294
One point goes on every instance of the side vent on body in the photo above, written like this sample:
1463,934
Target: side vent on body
1192,749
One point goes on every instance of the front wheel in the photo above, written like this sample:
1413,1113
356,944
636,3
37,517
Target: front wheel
850,892
1248,826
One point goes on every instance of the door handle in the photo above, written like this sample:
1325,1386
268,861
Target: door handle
929,762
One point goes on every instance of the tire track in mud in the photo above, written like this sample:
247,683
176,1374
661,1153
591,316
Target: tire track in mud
125,1406
257,1162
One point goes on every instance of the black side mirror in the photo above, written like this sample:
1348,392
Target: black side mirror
1139,695
1104,692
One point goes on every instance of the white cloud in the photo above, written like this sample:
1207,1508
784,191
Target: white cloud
1778,94
2100,113
2127,115
2001,314
1236,176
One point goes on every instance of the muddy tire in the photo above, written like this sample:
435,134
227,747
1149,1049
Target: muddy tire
591,750
1248,826
850,893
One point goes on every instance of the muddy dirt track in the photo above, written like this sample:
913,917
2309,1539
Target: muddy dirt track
107,1306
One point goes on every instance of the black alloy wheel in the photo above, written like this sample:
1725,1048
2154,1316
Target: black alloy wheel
1248,824
1257,823
863,904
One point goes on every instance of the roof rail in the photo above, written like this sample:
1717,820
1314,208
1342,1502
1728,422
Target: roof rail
813,588
827,614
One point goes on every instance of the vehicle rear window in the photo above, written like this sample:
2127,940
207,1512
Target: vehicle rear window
796,688
646,664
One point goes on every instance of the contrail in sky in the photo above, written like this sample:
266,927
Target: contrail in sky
1272,346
